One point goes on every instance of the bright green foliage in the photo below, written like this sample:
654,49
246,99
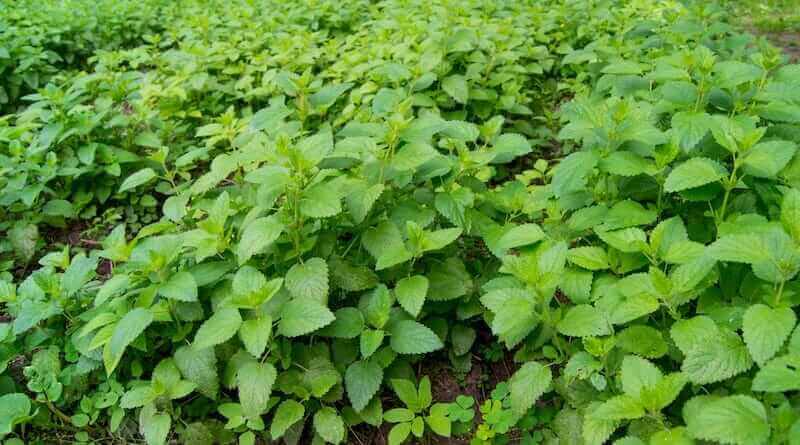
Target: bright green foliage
527,385
261,221
15,409
739,420
766,329
412,420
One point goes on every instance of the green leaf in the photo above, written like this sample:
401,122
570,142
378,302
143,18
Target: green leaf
288,413
765,330
14,409
410,293
740,248
361,199
463,131
626,214
689,128
664,392
412,155
386,100
780,111
147,139
439,238
218,328
514,314
326,96
125,331
255,382
329,425
257,237
167,375
790,213
731,73
349,277
694,173
596,431
521,235
439,421
250,287
637,374
576,285
667,234
508,146
453,205
462,338
674,436
528,384
362,381
448,280
399,433
622,407
630,240
767,159
411,337
425,396
456,86
645,341
629,440
626,163
688,333
180,287
370,341
135,180
81,269
584,321
59,208
781,374
738,420
309,280
568,426
716,355
255,334
376,306
407,393
138,397
199,366
321,201
23,239
313,149
571,174
590,257
624,67
348,324
153,425
303,316
385,243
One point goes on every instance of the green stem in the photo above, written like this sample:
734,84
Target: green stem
779,294
729,186
700,94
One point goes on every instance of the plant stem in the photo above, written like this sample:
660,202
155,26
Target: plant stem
730,184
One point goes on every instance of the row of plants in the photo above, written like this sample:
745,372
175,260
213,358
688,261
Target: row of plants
69,152
305,204
39,40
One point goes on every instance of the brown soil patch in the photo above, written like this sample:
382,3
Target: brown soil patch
789,41
446,385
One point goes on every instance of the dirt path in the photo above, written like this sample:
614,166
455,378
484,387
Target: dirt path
789,41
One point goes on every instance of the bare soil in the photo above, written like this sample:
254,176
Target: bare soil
446,385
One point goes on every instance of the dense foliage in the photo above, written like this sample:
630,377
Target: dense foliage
257,221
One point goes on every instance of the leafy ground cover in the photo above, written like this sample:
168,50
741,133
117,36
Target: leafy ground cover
405,221
776,20
768,15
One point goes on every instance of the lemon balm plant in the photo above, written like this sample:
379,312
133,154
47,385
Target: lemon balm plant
305,205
